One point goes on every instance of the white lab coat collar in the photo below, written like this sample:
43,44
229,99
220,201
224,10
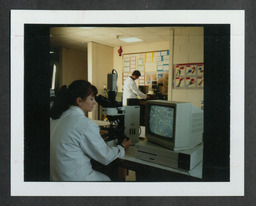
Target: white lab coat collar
75,109
132,78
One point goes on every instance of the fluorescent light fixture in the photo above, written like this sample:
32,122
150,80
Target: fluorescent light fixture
131,39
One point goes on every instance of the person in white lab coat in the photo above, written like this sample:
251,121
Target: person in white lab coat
75,139
130,88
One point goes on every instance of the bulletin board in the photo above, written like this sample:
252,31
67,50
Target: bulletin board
153,66
188,76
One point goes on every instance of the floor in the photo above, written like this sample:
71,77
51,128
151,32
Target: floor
131,176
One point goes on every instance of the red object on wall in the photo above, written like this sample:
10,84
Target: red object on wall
120,51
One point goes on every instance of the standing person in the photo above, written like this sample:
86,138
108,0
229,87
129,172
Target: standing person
75,139
130,88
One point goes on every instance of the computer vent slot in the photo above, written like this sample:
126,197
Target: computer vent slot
132,131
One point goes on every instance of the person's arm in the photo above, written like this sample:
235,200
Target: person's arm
94,146
137,91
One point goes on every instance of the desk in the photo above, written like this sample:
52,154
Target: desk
146,171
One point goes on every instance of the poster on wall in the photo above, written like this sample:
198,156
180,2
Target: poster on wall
190,70
190,82
179,71
188,76
200,81
179,82
150,67
148,79
154,67
140,64
200,69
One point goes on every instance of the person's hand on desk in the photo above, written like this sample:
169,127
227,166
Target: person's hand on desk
126,143
148,97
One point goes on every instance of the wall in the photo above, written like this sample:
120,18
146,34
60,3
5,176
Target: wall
186,43
187,46
118,61
100,63
73,65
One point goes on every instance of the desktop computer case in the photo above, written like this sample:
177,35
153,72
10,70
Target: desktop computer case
184,159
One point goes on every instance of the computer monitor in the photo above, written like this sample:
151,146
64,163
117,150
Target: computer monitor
174,125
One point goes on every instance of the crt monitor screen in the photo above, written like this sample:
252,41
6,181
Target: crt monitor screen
161,121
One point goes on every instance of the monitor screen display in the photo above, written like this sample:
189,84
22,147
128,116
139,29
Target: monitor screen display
161,120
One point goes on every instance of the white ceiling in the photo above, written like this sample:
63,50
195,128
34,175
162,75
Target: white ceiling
78,37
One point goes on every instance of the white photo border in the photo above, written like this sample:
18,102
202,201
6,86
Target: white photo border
236,19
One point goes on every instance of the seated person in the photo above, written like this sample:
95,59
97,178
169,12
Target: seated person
75,139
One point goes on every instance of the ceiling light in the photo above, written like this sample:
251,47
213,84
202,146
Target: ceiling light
131,39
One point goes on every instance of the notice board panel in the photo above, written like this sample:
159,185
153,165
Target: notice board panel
153,66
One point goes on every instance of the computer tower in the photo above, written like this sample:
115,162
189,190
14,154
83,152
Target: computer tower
132,123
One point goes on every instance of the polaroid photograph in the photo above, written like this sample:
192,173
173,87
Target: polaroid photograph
180,147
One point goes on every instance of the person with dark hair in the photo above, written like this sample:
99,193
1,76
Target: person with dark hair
130,88
94,91
75,139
